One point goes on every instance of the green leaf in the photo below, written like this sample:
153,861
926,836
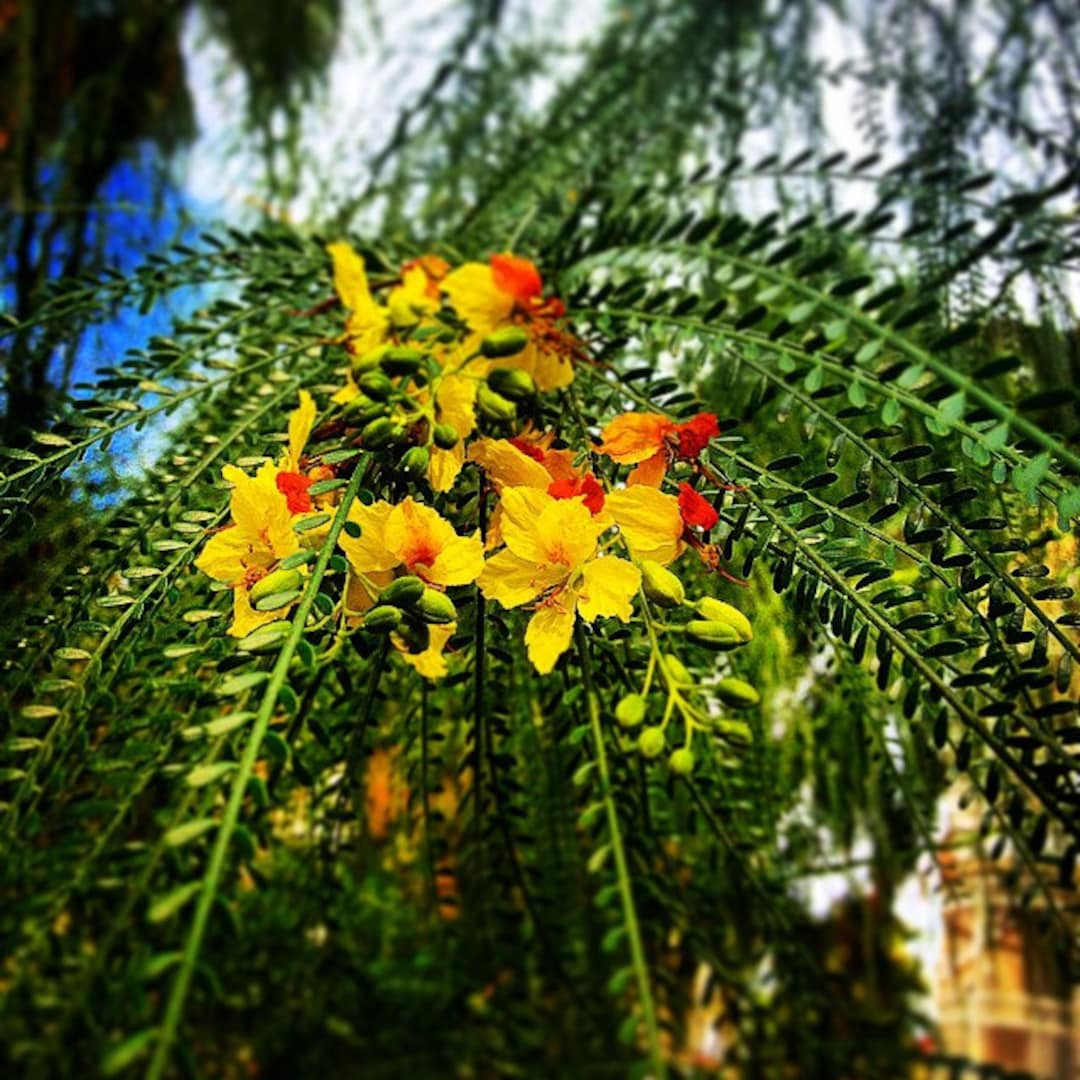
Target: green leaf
238,684
1068,507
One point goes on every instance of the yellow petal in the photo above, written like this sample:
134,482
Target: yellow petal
260,511
506,465
472,291
346,394
246,618
549,631
522,508
455,401
358,597
409,302
301,421
513,581
649,521
550,371
368,551
350,277
650,472
444,466
223,557
607,588
431,663
459,562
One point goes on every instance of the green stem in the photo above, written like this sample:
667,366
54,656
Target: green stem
633,932
178,994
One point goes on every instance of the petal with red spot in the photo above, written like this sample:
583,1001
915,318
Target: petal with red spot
696,511
516,276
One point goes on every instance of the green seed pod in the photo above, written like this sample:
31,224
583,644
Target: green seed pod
277,581
737,693
717,611
414,635
382,619
494,406
369,360
414,462
736,732
376,385
445,436
681,761
402,360
508,341
378,433
714,635
676,672
403,592
630,710
512,383
436,607
661,586
651,742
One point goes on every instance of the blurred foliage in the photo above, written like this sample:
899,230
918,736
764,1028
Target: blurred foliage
896,380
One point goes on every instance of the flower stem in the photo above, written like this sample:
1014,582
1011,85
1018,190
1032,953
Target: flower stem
633,932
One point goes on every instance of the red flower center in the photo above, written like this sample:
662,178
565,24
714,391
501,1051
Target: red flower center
571,487
528,449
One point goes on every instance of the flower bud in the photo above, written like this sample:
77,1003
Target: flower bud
436,607
369,360
445,436
414,636
508,341
717,611
494,406
737,693
376,385
414,462
630,710
713,634
676,672
277,581
403,592
512,383
402,360
651,742
382,619
661,586
378,433
681,761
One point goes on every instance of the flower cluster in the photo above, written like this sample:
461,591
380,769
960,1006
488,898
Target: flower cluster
440,396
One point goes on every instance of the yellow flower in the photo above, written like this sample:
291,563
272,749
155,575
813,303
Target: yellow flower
507,292
411,301
368,323
552,556
414,537
260,536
